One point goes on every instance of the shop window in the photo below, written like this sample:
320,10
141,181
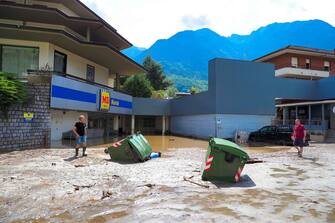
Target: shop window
90,73
18,59
149,122
326,66
60,62
294,61
308,64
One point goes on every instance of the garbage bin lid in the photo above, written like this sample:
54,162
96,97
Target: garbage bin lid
228,146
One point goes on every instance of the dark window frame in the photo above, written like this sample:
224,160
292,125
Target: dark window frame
309,64
329,67
65,58
87,69
1,57
19,46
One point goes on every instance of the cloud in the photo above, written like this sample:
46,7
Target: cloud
95,8
143,22
193,22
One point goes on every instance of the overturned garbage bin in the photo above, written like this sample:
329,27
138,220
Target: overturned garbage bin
224,161
134,148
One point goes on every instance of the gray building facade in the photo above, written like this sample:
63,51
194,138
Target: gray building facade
241,96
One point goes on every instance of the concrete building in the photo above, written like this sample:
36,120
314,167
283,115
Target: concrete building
301,62
246,95
317,110
72,61
79,52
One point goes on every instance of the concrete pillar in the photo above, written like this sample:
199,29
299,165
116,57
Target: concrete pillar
309,114
117,82
116,123
163,125
284,115
133,124
323,113
88,34
167,123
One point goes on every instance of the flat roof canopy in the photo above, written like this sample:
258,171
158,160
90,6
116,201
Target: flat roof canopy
306,103
99,53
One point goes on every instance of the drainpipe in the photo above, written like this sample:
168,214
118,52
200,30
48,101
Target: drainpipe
163,125
88,34
309,115
322,114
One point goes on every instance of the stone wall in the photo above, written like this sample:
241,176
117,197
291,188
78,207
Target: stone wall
15,134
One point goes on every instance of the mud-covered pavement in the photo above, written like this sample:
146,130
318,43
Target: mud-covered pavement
48,185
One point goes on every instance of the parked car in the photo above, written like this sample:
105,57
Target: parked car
275,134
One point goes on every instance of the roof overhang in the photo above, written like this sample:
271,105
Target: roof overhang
99,53
101,30
306,103
297,50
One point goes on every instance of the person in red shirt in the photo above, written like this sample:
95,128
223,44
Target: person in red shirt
299,136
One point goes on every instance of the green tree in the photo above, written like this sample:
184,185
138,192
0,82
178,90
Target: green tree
194,90
171,91
155,74
138,86
12,91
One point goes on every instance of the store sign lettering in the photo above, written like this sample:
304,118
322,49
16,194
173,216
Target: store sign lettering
104,100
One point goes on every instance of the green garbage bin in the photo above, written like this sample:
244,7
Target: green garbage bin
224,161
134,148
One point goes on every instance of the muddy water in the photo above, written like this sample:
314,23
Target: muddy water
49,186
164,143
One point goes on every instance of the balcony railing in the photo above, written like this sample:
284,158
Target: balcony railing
313,124
70,76
300,73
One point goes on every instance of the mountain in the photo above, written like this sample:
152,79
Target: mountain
133,51
186,54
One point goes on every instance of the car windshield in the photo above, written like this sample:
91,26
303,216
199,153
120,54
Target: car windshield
267,129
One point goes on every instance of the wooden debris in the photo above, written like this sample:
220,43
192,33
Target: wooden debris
193,182
77,187
254,160
147,185
106,194
79,165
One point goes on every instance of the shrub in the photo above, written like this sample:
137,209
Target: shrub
12,91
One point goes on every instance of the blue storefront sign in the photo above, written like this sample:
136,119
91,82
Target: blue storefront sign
71,94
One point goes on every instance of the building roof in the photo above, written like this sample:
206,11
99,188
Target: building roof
297,50
100,53
87,18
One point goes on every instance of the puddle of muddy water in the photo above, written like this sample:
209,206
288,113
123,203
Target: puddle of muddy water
164,143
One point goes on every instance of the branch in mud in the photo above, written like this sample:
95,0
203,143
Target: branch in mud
191,181
77,187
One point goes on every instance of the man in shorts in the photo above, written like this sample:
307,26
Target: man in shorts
80,131
299,136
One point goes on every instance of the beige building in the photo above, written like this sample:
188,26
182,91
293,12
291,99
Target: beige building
67,39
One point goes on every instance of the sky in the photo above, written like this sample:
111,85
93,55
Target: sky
143,22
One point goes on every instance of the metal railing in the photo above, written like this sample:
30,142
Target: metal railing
70,76
311,124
